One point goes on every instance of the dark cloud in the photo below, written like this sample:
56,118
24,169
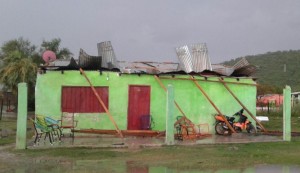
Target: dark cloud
150,30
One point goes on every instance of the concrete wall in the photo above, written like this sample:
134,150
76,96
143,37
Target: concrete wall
187,95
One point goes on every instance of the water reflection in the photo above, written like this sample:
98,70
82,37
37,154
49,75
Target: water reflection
91,166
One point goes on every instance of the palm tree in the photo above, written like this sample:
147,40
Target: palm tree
53,45
17,65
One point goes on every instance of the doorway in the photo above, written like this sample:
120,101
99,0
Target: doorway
138,106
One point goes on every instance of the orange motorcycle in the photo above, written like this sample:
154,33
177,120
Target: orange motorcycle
242,124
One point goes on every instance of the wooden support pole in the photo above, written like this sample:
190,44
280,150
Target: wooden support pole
212,103
102,103
162,85
228,89
238,83
1,109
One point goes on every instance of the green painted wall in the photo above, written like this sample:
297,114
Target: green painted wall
187,95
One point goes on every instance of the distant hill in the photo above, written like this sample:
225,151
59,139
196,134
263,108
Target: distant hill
276,68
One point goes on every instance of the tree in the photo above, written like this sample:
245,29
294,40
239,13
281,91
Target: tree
19,62
53,45
17,65
21,45
263,89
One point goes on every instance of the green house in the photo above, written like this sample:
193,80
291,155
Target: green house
129,97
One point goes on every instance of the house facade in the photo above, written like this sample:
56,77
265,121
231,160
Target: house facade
129,97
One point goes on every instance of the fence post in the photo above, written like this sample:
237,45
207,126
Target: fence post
1,109
169,116
287,114
22,116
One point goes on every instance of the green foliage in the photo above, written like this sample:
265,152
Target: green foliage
268,89
19,62
276,68
54,45
295,111
17,65
19,45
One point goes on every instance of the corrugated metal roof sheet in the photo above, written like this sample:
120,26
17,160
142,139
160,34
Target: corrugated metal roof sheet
245,71
222,69
243,68
194,58
241,63
89,62
106,51
61,62
148,67
185,59
200,58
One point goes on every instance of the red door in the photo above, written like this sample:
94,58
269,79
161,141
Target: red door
138,105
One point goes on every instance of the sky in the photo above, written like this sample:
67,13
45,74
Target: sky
150,30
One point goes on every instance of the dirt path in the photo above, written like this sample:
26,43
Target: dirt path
5,154
6,158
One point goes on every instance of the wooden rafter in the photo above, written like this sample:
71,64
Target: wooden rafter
102,103
165,89
212,103
238,83
228,89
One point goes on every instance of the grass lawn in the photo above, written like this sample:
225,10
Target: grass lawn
275,122
182,157
208,157
8,127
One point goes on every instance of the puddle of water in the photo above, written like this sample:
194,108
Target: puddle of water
91,166
277,169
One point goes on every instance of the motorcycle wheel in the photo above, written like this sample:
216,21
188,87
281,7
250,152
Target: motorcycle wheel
219,128
237,129
251,129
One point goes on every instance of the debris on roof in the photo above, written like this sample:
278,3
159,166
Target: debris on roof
148,67
89,62
241,63
106,51
245,71
194,58
222,69
65,64
243,68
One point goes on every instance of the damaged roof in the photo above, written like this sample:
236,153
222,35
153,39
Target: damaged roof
192,59
148,67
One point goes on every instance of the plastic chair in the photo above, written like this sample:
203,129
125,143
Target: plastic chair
41,129
51,123
55,125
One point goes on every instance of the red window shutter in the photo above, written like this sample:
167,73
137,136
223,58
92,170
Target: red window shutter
83,99
67,105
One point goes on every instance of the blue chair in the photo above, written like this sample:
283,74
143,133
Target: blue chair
50,123
55,125
41,129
